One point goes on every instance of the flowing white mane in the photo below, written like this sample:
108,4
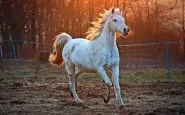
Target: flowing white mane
97,25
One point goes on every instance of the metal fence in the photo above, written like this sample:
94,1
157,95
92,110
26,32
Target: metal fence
152,54
132,56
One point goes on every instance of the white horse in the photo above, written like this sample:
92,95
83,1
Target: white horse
98,52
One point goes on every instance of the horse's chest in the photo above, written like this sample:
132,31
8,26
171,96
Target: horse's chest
105,58
110,60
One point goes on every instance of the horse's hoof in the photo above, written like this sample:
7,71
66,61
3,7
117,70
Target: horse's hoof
122,107
106,99
79,103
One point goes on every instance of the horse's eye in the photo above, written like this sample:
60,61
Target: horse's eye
115,20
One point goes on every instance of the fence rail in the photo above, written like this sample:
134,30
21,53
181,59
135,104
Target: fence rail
135,55
149,44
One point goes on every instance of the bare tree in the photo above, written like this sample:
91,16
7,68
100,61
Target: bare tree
183,26
117,3
34,18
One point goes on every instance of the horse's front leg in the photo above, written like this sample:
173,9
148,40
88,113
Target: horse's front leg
115,79
104,76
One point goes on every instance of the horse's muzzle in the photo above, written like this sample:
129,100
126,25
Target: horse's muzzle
125,31
125,34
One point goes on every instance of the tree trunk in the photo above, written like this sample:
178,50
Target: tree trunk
117,3
183,27
106,4
33,19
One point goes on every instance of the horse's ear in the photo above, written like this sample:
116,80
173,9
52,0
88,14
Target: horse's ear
121,11
112,10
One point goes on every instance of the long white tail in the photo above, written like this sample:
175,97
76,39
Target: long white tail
58,45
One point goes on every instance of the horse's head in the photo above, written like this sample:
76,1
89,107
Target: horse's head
117,22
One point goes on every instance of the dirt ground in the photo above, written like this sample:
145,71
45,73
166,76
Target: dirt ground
50,95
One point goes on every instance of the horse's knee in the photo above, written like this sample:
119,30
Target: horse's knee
70,75
117,88
70,85
108,83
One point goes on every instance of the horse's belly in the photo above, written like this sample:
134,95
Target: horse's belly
84,64
82,59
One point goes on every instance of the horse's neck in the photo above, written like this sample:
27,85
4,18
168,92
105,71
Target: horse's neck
107,38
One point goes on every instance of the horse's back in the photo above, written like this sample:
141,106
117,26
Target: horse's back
75,43
77,51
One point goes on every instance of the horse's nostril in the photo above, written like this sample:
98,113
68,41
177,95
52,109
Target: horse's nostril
125,31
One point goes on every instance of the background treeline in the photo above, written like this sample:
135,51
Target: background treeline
40,20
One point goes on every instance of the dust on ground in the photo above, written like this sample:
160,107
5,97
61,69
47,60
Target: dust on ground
50,95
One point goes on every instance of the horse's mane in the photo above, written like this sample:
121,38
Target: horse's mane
97,25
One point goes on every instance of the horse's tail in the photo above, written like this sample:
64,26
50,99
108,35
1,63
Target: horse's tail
59,42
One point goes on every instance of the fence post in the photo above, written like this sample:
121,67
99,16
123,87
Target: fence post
1,46
14,53
168,61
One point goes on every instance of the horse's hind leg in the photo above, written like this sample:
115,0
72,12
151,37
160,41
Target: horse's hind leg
71,75
77,73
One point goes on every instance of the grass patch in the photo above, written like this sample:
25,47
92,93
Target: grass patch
46,71
152,75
